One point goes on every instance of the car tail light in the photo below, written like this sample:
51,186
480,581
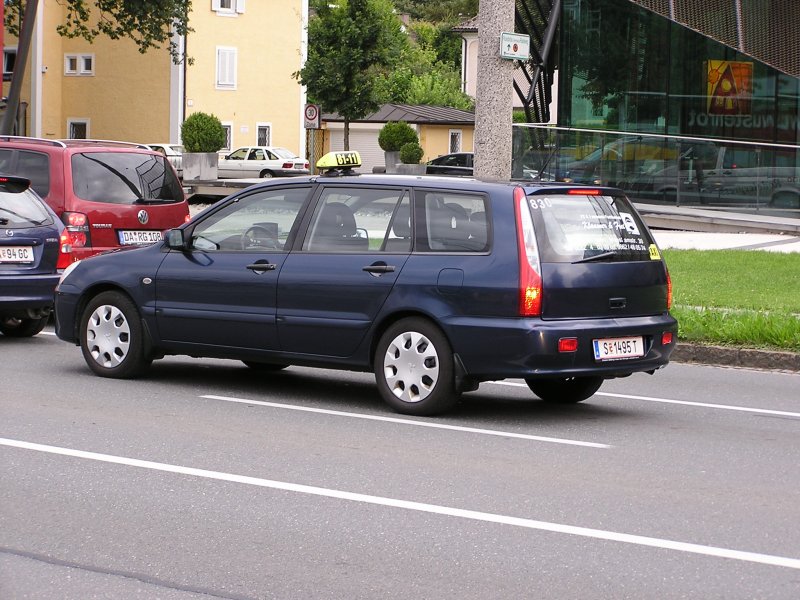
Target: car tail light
307,164
581,192
669,290
287,165
77,229
530,279
666,338
568,345
65,257
187,218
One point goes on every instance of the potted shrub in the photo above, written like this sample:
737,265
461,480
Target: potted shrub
410,155
391,138
203,136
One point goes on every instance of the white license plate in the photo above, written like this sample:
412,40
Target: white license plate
16,254
618,348
299,165
129,237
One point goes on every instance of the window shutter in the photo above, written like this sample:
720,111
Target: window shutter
226,67
239,6
215,4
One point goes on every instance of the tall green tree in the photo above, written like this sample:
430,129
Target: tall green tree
149,23
422,75
350,43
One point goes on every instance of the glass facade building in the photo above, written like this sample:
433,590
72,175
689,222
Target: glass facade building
667,113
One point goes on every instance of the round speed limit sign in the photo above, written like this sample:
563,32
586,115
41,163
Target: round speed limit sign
311,114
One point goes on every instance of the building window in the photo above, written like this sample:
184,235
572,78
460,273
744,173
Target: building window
9,59
455,140
226,68
79,64
263,134
78,129
228,127
227,8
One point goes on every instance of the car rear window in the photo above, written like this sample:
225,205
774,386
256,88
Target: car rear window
124,178
584,227
20,210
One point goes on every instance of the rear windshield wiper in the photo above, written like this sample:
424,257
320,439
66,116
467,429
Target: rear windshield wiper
601,256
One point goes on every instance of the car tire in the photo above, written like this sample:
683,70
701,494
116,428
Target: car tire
112,337
785,200
14,327
266,175
565,390
263,366
414,368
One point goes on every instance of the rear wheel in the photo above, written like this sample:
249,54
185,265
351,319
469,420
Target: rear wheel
14,327
414,368
266,174
112,337
565,390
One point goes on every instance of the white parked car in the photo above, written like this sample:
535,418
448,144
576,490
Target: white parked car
174,154
261,161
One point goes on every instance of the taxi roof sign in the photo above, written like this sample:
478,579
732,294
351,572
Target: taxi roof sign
344,161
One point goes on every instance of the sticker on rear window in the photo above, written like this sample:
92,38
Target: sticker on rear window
629,223
654,253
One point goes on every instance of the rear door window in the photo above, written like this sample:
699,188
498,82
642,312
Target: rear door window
584,227
124,178
361,219
36,167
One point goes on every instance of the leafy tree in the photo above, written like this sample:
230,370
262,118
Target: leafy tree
441,11
422,76
149,23
350,44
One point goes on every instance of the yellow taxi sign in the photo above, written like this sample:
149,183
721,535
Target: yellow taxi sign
340,160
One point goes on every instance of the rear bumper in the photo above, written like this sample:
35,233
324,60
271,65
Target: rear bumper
528,348
27,292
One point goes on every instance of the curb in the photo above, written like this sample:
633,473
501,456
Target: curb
726,356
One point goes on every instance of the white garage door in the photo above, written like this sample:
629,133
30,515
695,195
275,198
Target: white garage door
365,142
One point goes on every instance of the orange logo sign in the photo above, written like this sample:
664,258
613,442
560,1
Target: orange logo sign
729,87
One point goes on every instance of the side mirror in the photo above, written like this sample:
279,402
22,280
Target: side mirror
175,239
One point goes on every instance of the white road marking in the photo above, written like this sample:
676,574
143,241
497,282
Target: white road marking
47,333
639,540
762,411
435,425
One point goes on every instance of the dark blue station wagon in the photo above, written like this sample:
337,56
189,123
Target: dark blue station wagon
435,284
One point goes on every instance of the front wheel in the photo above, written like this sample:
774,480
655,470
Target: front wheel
565,390
414,368
112,337
14,327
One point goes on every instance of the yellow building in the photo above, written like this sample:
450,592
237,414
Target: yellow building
244,55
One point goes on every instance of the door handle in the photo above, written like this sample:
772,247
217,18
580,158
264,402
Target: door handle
261,267
379,269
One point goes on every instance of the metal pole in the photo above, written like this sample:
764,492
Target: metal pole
23,46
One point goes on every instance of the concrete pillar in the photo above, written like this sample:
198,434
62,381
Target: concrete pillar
493,110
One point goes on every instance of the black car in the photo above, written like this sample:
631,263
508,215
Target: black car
33,246
435,284
458,163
